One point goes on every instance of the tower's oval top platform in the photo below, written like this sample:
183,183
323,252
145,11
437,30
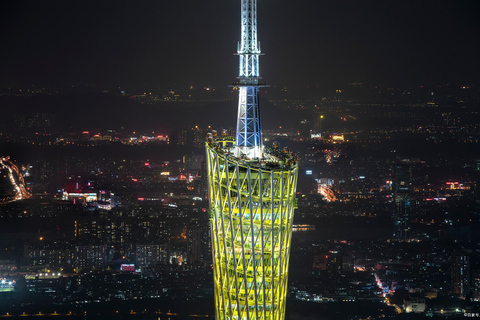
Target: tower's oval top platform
272,158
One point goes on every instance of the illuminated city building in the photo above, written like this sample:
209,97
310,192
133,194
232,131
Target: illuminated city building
149,255
252,199
90,255
461,274
402,189
197,244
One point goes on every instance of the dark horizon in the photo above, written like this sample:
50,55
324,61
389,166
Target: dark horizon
183,42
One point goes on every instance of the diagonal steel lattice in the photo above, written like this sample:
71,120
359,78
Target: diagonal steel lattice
251,222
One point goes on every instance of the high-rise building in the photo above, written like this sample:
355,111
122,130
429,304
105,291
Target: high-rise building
197,244
94,255
252,199
461,274
149,255
476,284
402,189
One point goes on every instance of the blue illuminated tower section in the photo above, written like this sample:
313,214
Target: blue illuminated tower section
248,140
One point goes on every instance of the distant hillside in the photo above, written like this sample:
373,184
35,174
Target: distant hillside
107,111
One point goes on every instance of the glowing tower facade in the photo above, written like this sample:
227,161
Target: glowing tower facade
252,199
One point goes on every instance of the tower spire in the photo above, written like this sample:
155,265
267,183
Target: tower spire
249,48
249,142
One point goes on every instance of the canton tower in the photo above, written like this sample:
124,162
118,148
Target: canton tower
252,199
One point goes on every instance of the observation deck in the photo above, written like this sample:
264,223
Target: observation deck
273,157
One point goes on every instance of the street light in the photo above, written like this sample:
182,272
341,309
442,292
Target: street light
320,127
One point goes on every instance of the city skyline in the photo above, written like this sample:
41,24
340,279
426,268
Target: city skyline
137,180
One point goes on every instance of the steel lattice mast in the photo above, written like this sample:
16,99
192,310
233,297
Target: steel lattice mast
252,200
249,131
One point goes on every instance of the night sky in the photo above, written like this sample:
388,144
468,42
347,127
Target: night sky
183,42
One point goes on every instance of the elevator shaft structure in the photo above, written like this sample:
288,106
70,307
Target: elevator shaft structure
252,190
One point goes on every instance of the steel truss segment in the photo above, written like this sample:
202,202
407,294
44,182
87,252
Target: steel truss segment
249,140
252,211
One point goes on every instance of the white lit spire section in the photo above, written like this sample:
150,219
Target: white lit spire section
249,143
249,48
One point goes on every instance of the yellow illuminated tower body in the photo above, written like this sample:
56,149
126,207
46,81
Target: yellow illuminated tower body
252,200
